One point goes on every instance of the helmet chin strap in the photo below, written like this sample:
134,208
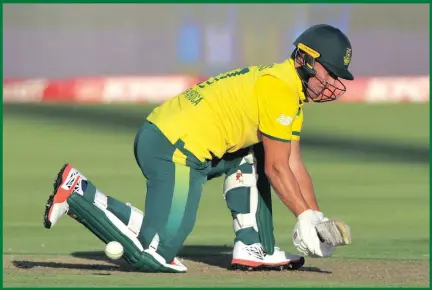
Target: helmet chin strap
304,72
304,75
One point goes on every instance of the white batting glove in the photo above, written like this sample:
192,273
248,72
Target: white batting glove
326,250
305,237
320,216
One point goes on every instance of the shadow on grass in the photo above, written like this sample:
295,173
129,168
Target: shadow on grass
26,264
216,256
116,118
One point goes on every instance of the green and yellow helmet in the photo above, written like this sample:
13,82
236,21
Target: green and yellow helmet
332,49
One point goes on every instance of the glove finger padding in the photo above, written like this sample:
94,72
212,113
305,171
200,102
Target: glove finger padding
324,251
298,243
334,233
306,240
315,247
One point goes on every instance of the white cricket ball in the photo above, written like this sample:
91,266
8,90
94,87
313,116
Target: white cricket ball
114,250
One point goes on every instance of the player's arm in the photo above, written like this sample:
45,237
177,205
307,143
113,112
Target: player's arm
297,165
278,106
302,176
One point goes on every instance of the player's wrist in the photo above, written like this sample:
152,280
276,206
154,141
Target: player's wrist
319,214
307,214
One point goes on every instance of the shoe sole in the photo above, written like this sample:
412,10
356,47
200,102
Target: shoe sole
56,185
295,265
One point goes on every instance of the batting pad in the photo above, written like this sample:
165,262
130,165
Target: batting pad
250,208
107,227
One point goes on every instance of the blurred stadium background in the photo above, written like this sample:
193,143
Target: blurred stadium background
78,80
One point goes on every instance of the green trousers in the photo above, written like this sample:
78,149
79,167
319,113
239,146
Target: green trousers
174,187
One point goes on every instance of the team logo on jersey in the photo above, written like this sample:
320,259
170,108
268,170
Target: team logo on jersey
347,57
284,120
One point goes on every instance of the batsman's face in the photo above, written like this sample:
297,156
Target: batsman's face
323,86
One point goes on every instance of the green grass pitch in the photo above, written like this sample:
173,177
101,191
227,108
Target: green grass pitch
369,163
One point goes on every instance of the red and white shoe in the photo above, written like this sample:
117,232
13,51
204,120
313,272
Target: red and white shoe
175,266
68,181
178,265
253,257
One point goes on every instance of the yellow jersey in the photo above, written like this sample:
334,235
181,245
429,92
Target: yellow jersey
228,112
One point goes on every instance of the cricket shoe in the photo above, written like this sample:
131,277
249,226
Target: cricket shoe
68,181
254,258
178,266
175,266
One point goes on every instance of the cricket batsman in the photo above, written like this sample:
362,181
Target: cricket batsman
243,125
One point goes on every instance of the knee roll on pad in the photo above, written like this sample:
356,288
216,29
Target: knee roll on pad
135,220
